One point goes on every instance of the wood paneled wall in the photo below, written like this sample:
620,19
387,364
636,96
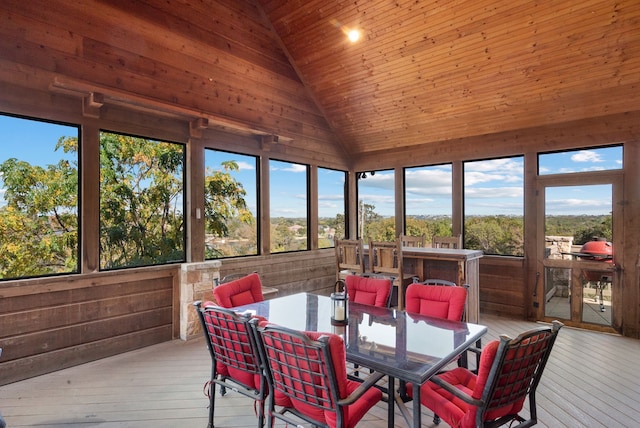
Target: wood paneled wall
311,271
51,323
218,65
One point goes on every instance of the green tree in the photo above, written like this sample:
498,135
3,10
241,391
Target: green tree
141,201
367,217
381,229
283,238
39,223
429,227
599,227
501,235
141,207
226,210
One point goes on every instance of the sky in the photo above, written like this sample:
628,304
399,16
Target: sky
491,186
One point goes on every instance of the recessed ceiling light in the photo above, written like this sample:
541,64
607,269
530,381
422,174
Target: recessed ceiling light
354,35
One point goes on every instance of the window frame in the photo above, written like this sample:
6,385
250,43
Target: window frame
184,196
464,204
78,208
258,205
307,205
345,198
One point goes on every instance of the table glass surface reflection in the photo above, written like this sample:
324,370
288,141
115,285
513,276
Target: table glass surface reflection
407,346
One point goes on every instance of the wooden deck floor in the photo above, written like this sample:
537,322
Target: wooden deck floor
591,380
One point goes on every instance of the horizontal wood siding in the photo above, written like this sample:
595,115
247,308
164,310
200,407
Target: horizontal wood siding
46,326
310,271
502,281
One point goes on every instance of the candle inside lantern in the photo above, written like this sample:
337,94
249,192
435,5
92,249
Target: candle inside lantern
339,314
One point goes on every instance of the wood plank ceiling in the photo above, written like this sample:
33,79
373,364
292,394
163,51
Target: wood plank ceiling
431,70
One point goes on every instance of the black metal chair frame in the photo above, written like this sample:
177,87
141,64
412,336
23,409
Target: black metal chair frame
231,341
283,372
501,377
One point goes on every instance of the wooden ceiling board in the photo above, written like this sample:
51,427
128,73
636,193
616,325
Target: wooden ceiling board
425,71
430,71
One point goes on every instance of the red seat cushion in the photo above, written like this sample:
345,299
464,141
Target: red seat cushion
368,291
436,301
239,292
454,411
352,413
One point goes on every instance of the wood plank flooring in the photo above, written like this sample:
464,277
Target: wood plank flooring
591,380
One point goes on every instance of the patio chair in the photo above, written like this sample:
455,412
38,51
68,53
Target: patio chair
509,372
386,258
438,301
441,299
369,289
238,290
308,369
413,241
349,257
436,281
447,241
235,356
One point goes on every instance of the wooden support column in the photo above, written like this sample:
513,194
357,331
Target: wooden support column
399,200
90,206
457,196
195,223
264,195
312,230
352,205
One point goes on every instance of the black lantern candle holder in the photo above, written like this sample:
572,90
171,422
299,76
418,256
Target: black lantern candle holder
339,308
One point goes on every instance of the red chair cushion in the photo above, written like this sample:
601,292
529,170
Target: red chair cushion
239,292
454,411
368,291
352,413
355,412
245,377
436,301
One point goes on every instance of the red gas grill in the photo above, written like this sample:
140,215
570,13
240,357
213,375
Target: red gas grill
599,251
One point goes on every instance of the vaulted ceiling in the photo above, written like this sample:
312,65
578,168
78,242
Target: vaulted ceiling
423,71
432,70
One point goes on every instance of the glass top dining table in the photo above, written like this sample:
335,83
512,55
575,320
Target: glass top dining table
404,346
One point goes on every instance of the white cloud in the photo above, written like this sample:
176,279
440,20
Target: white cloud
245,166
378,181
294,167
586,156
334,197
494,193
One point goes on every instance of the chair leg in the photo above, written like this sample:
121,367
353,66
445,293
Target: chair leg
223,389
212,402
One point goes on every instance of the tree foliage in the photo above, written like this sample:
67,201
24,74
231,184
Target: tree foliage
225,211
141,201
141,207
583,228
287,235
501,235
39,223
